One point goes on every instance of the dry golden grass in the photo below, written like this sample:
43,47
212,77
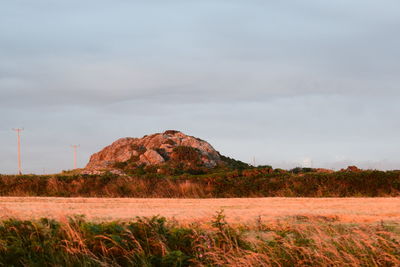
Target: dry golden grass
299,240
237,210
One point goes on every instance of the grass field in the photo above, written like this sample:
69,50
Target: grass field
237,210
46,231
155,241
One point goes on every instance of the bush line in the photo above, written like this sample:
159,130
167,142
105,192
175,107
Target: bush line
246,183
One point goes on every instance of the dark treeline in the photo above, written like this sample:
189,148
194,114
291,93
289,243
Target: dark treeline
257,182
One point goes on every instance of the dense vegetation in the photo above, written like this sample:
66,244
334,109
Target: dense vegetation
255,182
303,241
182,160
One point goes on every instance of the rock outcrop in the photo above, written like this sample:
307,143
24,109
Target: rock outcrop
155,149
351,169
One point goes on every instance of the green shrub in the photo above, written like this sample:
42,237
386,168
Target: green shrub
185,153
234,164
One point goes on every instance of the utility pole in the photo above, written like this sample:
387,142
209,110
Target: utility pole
18,130
75,147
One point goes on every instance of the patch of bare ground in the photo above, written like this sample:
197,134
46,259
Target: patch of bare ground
237,210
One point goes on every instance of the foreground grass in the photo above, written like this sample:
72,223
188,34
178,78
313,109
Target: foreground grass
299,241
238,183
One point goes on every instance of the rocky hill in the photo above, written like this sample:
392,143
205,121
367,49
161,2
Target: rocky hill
160,149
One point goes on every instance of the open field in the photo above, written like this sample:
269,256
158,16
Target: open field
241,210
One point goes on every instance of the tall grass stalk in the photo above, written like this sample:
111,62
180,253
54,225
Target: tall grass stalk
298,241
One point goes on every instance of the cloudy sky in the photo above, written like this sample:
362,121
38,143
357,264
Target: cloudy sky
285,82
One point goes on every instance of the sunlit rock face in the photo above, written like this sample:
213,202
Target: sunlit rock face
155,149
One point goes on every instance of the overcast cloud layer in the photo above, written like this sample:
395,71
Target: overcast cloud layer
282,81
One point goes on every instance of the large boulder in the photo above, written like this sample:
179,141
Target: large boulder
151,157
155,149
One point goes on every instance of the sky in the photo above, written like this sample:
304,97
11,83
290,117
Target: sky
289,83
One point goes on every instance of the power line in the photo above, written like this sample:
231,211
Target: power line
75,147
18,131
253,162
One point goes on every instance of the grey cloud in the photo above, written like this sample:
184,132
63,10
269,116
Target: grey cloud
83,83
276,79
